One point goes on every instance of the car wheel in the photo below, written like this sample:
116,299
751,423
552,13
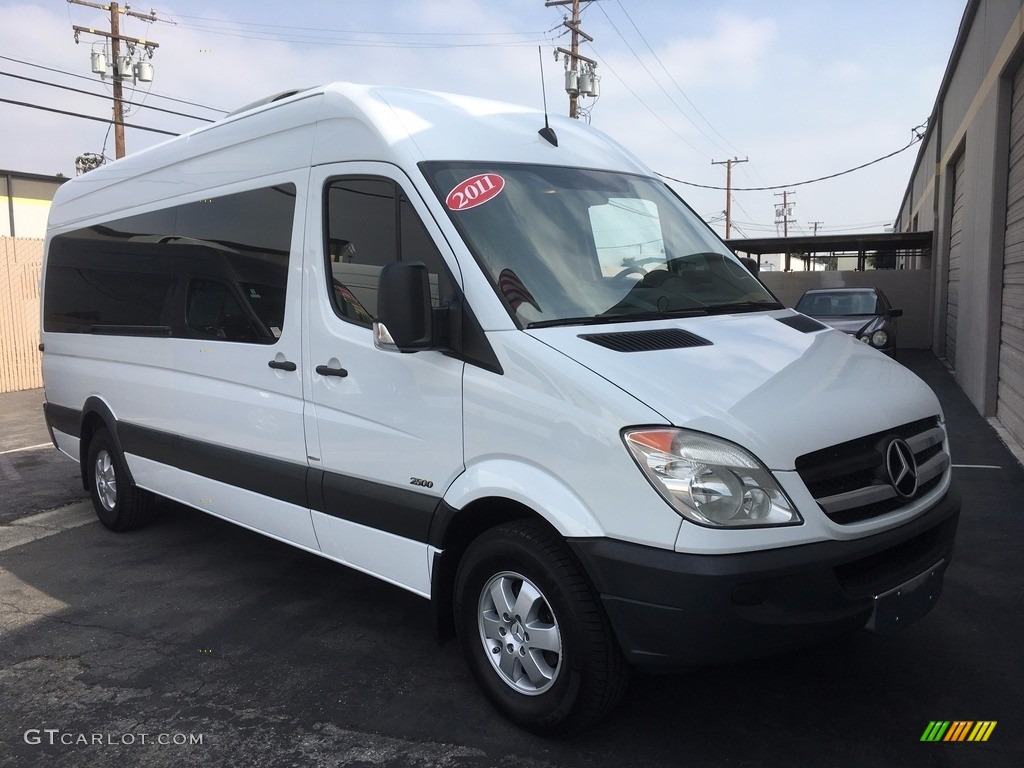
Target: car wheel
534,634
119,504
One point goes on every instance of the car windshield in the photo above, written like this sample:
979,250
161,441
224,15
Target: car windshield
838,303
565,245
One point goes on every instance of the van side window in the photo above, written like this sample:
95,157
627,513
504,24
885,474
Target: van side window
214,269
215,312
106,300
370,223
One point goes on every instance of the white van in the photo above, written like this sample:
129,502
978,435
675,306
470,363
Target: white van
502,367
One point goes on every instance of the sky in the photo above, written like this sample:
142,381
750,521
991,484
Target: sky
799,88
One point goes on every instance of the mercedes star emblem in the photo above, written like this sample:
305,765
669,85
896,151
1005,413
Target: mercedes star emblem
902,468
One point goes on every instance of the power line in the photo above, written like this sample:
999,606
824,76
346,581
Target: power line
579,81
674,82
651,74
728,187
833,228
740,206
85,117
312,39
913,141
91,80
644,104
357,31
739,229
101,96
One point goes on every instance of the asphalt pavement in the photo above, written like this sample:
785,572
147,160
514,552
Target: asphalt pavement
196,642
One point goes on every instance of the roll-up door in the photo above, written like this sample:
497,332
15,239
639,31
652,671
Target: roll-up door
955,248
1010,403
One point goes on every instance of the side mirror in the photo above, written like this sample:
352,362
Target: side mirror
404,316
751,264
895,313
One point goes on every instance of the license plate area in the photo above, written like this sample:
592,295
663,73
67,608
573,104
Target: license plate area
907,603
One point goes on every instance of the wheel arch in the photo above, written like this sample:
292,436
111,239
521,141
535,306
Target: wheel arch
97,415
488,494
452,537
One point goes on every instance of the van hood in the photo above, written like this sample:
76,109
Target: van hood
756,379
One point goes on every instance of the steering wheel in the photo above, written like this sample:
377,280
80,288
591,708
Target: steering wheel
630,270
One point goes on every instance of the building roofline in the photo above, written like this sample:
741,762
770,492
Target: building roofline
33,176
873,241
970,11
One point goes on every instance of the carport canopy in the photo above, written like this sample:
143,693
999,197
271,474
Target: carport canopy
884,246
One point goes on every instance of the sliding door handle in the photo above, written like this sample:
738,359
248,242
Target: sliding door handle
324,370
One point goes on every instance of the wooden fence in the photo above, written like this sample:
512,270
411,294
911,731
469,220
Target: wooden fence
21,260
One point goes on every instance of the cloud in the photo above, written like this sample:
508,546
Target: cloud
768,84
846,72
735,54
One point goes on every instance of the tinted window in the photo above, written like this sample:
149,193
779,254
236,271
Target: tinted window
215,312
83,300
160,271
370,223
106,287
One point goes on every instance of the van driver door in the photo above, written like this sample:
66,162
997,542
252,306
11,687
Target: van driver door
384,428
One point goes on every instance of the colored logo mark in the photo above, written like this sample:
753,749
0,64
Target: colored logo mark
958,730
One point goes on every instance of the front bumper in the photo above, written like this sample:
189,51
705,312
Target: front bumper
672,609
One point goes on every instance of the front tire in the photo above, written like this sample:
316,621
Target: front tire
534,633
119,504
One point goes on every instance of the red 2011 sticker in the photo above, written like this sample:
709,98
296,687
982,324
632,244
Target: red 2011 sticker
474,191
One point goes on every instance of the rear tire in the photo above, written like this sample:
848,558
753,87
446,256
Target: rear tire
534,633
119,503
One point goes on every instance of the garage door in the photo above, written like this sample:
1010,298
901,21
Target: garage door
1010,403
955,248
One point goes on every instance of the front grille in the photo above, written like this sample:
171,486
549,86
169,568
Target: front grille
851,482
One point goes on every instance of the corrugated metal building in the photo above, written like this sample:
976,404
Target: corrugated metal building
967,187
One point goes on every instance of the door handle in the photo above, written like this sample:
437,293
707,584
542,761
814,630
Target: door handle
284,365
324,370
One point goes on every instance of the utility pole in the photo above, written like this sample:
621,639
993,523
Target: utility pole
120,63
728,189
577,83
815,224
784,211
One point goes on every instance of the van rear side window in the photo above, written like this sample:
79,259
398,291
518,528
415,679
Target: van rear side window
97,300
215,269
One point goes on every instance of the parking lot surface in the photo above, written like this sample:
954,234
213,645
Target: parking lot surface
196,642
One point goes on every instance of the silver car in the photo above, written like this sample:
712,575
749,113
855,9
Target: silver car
864,313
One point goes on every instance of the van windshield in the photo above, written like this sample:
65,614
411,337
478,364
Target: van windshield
571,246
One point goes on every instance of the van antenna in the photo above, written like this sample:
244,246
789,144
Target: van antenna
546,132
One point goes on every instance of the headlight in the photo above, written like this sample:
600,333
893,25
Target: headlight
879,339
709,481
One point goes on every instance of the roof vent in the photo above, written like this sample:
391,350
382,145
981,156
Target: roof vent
268,100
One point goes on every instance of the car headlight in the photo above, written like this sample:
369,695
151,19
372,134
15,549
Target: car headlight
879,339
709,481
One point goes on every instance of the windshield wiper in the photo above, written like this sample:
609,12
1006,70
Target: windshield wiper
633,317
743,306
